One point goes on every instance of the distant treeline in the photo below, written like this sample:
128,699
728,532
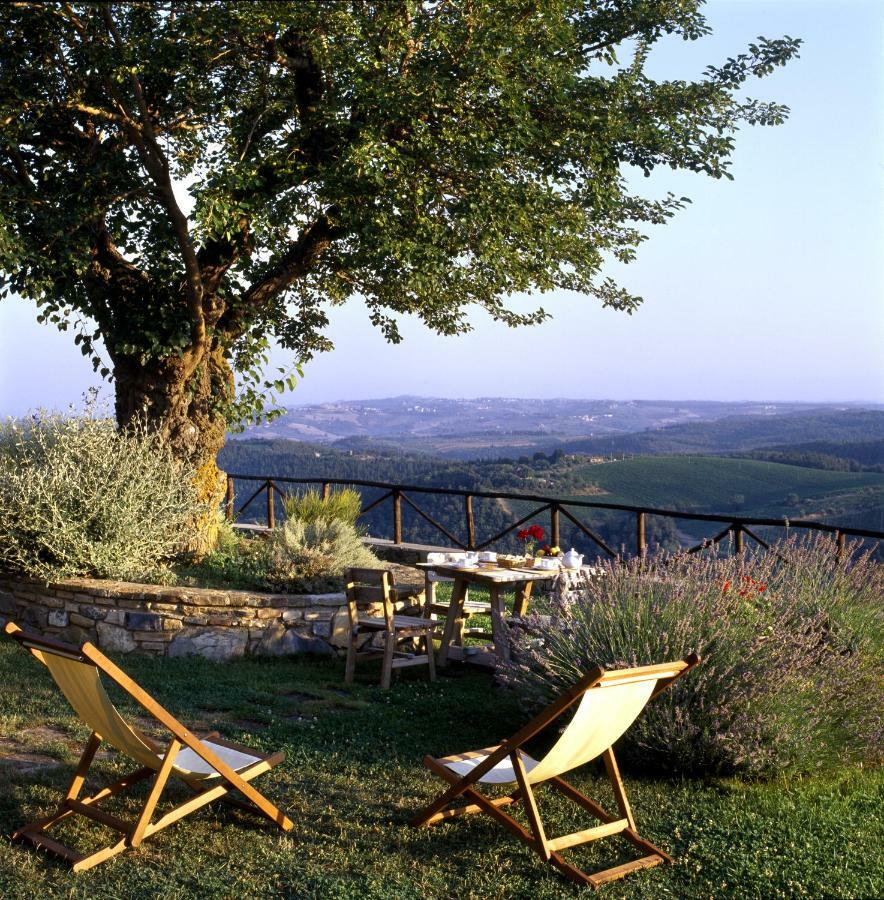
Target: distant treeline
553,474
860,456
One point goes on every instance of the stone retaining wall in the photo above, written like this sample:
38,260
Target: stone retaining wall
122,617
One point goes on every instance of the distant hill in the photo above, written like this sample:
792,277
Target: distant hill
734,434
493,427
690,483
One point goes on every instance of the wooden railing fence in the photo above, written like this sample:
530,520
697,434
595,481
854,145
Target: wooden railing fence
738,528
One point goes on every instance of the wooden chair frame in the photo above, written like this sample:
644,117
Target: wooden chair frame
133,833
377,586
441,809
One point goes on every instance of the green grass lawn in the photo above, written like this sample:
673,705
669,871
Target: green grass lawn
353,776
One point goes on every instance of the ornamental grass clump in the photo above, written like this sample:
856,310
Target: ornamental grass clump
319,537
791,642
80,498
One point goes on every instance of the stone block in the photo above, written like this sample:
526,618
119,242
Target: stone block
157,647
93,612
114,638
340,628
292,615
81,621
7,604
323,599
217,644
144,621
33,615
170,624
322,629
160,636
58,619
281,641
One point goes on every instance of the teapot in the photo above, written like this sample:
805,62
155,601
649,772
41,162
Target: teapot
572,559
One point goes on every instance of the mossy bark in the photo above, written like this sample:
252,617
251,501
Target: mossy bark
185,404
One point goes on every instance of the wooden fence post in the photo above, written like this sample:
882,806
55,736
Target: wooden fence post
554,529
397,517
230,504
326,490
641,546
271,507
471,522
841,543
738,539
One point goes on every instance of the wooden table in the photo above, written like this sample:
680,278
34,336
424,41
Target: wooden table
497,580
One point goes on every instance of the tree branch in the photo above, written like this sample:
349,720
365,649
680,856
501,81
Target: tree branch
298,259
143,135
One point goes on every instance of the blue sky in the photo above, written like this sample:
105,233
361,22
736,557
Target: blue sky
770,286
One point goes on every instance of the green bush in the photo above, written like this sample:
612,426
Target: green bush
77,497
301,549
791,645
310,506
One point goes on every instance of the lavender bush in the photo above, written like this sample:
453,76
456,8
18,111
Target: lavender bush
791,645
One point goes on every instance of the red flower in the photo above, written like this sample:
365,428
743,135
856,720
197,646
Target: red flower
725,587
523,535
537,532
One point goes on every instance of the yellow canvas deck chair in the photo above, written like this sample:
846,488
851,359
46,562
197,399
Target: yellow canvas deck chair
209,766
607,704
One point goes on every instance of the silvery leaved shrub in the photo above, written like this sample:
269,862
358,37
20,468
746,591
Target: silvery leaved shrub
321,546
80,498
791,641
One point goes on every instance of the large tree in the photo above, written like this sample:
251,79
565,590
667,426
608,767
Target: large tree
189,180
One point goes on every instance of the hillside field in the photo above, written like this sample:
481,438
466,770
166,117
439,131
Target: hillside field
722,485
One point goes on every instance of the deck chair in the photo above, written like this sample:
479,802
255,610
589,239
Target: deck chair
210,767
607,704
369,586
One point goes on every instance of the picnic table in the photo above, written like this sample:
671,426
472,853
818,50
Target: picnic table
498,580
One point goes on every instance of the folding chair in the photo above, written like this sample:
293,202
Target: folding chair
368,586
607,704
209,766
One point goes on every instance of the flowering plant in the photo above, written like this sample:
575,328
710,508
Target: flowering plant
530,536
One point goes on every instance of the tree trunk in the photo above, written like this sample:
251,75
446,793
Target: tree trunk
188,412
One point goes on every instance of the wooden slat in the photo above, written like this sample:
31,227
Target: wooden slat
365,594
90,810
588,834
646,862
403,662
44,842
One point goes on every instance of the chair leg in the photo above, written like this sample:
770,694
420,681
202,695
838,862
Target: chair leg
387,670
350,669
137,835
431,654
613,771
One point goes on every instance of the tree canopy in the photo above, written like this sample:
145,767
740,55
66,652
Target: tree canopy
198,178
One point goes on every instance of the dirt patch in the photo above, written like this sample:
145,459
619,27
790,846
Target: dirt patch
301,697
47,734
26,762
248,725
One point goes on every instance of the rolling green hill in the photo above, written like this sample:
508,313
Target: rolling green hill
715,484
707,484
